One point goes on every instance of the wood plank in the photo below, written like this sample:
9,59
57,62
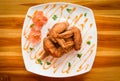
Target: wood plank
111,72
21,7
107,62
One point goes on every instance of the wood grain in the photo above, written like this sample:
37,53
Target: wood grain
107,62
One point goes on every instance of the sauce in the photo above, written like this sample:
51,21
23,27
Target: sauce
46,7
87,30
53,6
87,65
91,24
26,45
74,60
69,68
83,24
67,71
58,63
91,51
73,9
36,55
52,60
61,7
68,18
85,20
77,18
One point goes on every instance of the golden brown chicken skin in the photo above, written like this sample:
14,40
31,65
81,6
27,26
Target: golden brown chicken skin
61,40
56,29
66,34
50,48
77,37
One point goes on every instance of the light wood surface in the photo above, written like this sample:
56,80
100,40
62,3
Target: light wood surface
107,62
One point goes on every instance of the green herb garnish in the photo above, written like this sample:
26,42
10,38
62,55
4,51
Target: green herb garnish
85,14
31,48
54,17
88,42
69,64
48,63
69,10
79,55
40,62
31,25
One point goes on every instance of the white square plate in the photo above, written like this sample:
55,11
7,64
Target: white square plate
80,16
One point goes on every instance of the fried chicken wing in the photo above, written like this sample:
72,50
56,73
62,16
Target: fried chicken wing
77,37
50,48
56,29
61,40
66,34
65,43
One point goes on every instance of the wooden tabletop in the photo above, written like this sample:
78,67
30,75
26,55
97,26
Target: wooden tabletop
107,62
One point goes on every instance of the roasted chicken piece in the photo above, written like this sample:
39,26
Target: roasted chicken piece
50,48
76,37
53,49
66,34
75,32
56,29
61,40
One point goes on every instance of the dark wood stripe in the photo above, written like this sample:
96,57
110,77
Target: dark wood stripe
10,41
100,5
11,23
12,61
107,23
106,61
111,41
10,49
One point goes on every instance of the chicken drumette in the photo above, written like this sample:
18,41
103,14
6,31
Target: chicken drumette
61,40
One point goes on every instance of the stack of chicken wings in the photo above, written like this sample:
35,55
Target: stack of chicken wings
61,39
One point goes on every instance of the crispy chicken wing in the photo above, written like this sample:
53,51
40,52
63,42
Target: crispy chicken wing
61,40
77,37
51,48
56,29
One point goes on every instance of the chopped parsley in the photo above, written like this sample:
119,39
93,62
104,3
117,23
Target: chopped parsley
88,42
39,61
31,25
79,55
48,63
54,17
85,14
69,10
31,48
69,64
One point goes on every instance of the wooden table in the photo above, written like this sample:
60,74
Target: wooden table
107,62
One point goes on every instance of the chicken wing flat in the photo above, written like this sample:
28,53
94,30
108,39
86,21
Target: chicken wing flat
61,40
66,34
50,48
56,29
77,37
